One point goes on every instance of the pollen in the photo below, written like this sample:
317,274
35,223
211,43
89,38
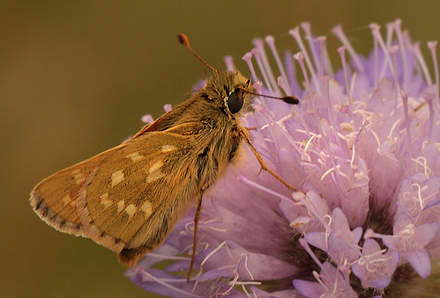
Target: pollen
117,177
347,127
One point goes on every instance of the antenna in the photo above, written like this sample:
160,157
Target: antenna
290,99
185,42
183,39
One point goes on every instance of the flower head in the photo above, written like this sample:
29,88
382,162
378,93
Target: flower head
362,148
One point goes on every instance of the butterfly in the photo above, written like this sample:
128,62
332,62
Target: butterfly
129,197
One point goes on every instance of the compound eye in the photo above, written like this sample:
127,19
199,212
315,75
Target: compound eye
235,102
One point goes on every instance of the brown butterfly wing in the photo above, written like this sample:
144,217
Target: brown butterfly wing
129,199
122,198
55,198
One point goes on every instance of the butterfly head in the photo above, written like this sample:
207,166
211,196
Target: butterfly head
229,91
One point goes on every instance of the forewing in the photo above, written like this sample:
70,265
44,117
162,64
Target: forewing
135,196
129,196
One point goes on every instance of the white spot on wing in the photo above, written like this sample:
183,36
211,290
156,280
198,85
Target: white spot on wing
66,200
154,176
147,207
78,176
156,166
130,210
117,177
167,148
121,205
105,201
154,172
135,156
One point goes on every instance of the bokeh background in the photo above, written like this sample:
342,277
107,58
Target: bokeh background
76,77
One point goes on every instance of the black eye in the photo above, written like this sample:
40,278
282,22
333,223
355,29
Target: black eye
235,102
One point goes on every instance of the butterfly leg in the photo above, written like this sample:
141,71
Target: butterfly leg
196,224
263,164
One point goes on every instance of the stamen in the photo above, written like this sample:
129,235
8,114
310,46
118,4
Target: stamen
295,33
325,83
300,58
258,42
404,96
375,30
389,35
243,179
224,243
393,51
411,50
403,49
312,47
422,63
167,108
429,97
376,63
256,54
147,119
341,52
229,62
321,42
423,162
432,45
270,40
165,282
283,84
291,74
307,248
340,34
248,59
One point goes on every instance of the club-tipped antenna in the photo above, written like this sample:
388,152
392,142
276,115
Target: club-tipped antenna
183,39
290,99
185,42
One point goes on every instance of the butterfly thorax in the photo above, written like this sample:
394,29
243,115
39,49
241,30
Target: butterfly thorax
217,118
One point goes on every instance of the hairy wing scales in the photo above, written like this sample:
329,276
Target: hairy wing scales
135,228
81,199
55,198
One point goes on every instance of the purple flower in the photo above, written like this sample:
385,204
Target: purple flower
362,148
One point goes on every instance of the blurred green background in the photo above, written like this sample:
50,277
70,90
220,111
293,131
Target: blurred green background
76,77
